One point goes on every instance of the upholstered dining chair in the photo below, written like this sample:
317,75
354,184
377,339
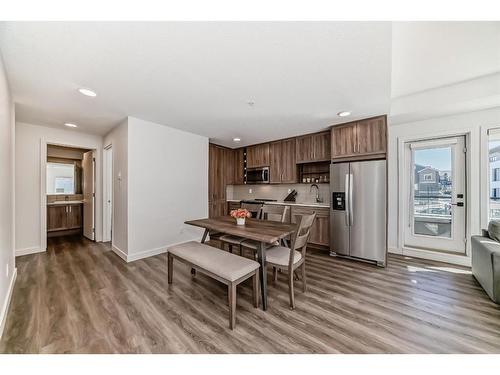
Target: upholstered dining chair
291,258
256,210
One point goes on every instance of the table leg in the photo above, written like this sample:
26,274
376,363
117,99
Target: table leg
261,254
203,239
205,234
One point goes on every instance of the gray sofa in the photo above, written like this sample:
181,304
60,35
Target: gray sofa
486,264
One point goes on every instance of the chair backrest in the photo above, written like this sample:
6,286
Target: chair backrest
274,212
254,208
299,240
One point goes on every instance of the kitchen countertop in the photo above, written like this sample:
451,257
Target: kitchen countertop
299,204
59,203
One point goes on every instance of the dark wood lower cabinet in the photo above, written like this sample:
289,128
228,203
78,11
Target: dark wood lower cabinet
320,231
64,217
56,218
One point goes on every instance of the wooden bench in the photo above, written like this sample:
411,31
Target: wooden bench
220,265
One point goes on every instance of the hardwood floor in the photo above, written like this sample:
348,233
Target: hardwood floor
80,297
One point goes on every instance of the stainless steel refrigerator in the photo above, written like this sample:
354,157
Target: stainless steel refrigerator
358,219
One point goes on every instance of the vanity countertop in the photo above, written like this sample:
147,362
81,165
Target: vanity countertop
59,203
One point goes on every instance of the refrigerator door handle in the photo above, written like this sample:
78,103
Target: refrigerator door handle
351,216
346,189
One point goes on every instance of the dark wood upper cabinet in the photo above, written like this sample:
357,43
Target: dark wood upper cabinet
239,165
313,147
275,164
343,140
288,161
371,134
363,139
258,155
282,168
229,165
216,173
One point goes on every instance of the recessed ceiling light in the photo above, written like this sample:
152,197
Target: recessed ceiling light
344,113
87,92
70,125
237,139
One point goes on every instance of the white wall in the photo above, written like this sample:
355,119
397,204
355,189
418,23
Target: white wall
7,266
28,180
118,139
466,123
167,184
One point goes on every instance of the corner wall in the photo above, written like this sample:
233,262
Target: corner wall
7,226
167,185
28,180
118,140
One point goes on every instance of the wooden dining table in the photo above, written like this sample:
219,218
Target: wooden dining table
266,232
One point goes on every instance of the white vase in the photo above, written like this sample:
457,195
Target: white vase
240,220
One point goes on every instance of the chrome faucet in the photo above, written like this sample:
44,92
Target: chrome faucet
318,200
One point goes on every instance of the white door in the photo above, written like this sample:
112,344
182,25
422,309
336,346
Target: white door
88,194
108,194
435,216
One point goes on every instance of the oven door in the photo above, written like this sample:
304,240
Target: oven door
258,175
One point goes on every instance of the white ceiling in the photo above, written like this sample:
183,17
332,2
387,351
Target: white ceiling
199,76
427,55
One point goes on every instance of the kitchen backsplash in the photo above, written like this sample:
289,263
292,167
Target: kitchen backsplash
278,192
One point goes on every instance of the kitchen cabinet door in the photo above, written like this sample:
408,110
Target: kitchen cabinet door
216,173
344,141
320,231
371,136
304,150
74,216
239,165
56,218
229,162
258,155
217,208
275,165
288,161
321,146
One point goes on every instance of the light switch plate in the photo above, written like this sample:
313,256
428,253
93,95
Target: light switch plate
249,191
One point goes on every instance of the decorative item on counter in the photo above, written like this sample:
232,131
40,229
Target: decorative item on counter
316,180
240,215
304,180
308,179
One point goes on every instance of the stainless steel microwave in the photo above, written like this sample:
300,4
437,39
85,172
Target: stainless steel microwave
258,175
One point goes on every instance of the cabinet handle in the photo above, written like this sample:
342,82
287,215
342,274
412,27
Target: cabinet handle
70,209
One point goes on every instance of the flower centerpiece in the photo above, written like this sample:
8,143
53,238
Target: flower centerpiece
240,215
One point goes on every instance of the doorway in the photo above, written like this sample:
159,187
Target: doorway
435,187
69,190
108,194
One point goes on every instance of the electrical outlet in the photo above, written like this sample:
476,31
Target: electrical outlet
249,191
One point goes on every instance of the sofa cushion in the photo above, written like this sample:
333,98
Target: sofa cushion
221,263
494,230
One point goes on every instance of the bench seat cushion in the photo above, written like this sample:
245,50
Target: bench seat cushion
221,263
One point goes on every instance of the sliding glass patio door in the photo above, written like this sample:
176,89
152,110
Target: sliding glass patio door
435,188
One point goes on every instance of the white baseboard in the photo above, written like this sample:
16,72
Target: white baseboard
122,254
6,302
459,260
29,250
395,250
146,253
